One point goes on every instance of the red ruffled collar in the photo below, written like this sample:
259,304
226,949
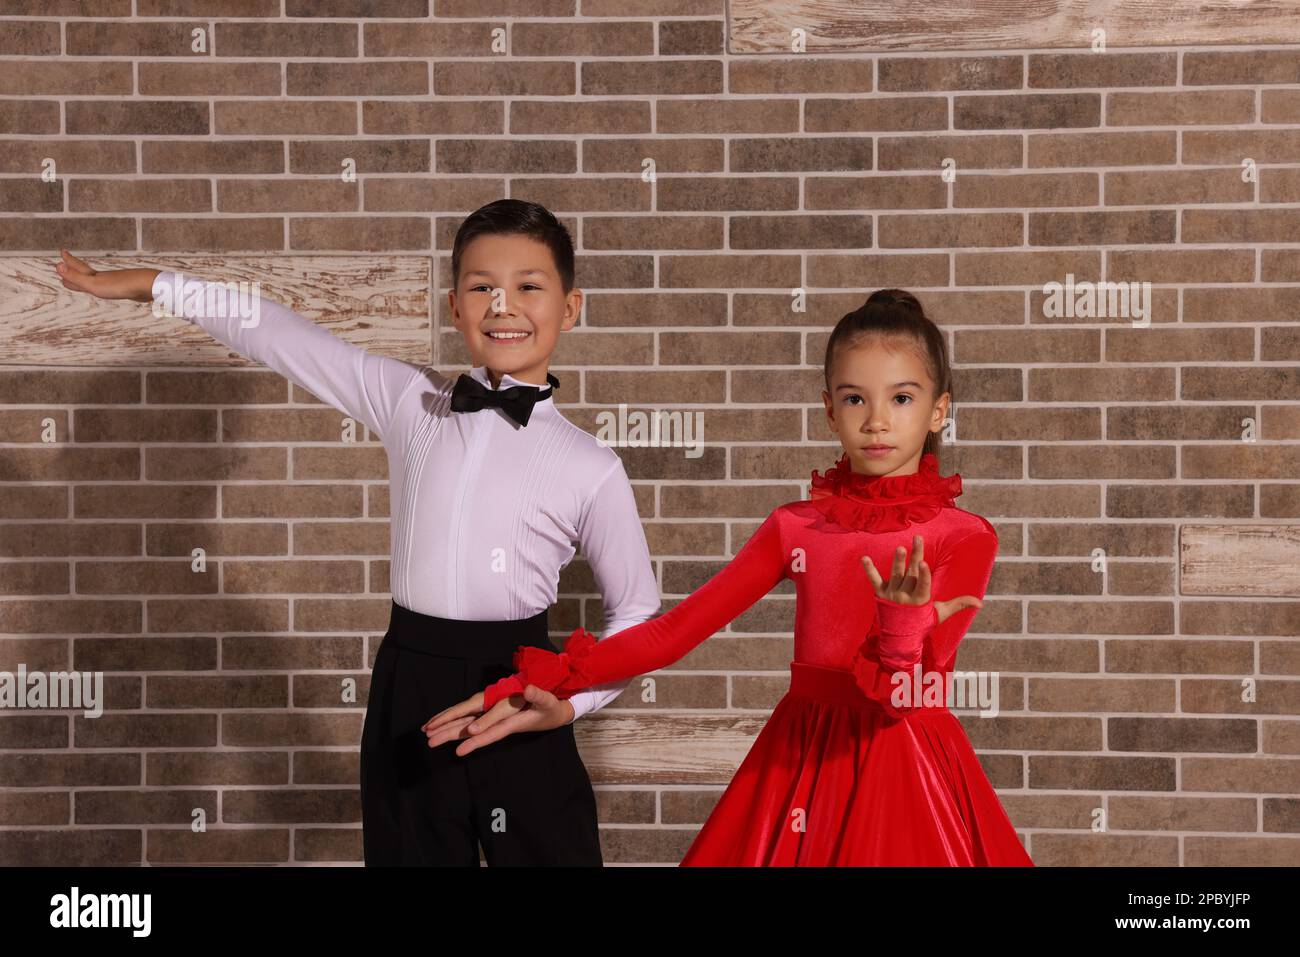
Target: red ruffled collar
883,503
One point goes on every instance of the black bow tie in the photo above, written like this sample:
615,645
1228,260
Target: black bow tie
470,395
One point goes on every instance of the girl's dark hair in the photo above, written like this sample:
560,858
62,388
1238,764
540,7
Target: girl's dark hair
897,315
511,216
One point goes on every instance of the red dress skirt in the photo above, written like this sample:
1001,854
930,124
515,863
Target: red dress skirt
833,780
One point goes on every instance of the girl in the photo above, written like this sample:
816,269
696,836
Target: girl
850,768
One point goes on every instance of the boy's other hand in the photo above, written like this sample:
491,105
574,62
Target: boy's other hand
535,710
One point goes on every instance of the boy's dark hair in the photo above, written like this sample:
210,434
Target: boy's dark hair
511,216
897,315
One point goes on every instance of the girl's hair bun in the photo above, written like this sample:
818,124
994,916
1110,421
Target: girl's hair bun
895,297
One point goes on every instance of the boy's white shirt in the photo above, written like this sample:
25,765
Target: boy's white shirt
507,501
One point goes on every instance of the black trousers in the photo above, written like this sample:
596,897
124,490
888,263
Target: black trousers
527,799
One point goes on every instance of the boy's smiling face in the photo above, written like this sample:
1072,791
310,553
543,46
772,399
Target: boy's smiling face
510,305
882,397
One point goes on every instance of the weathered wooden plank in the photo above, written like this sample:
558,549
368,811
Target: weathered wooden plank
1240,560
380,303
660,748
765,26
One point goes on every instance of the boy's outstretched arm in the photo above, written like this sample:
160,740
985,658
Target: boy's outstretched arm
365,385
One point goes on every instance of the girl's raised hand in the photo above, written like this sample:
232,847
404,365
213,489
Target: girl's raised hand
910,584
77,275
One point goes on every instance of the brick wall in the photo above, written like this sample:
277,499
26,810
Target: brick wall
1142,479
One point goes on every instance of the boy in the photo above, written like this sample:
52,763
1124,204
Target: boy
490,487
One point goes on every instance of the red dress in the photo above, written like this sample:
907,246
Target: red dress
841,774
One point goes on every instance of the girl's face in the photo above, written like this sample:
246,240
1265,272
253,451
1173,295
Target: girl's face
880,406
510,305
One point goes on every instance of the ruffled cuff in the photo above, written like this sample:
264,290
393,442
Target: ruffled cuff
903,630
546,669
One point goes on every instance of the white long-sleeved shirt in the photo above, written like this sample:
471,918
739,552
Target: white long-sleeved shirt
484,512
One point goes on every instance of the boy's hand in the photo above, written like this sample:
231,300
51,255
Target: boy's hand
136,284
911,586
535,710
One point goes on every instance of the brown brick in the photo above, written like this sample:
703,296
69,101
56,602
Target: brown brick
291,40
727,270
70,78
931,152
180,692
1198,107
409,118
154,653
1113,69
25,809
1239,226
875,192
659,77
349,9
726,193
145,731
31,38
675,156
600,39
653,233
893,114
1026,111
656,309
142,578
799,232
69,155
895,269
299,805
1279,106
1101,227
1181,265
799,75
729,348
1176,187
296,729
143,807
1021,190
71,847
690,38
87,38
608,116
905,74
1144,148
137,117
242,156
1230,147
947,230
30,196
718,116
1222,67
538,78
367,78
370,156
218,845
425,194
198,768
31,116
227,233
526,157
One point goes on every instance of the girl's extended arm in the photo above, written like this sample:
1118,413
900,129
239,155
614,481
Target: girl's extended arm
755,570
